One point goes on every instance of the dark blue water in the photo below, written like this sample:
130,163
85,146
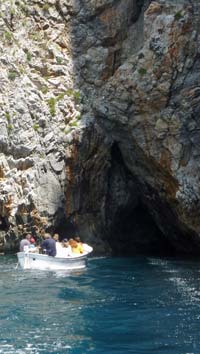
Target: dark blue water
115,306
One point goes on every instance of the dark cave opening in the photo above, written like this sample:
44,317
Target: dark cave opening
135,232
131,227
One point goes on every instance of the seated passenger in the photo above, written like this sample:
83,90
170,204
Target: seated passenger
80,244
67,247
56,237
32,242
76,247
49,245
58,244
65,250
85,247
25,243
32,246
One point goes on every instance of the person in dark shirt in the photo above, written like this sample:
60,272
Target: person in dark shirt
49,245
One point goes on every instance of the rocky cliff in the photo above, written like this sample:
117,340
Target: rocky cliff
100,104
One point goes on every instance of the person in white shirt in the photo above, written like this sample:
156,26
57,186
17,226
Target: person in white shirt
63,249
25,242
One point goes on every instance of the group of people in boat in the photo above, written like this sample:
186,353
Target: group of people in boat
55,248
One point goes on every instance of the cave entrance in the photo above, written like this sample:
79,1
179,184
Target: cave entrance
131,228
135,232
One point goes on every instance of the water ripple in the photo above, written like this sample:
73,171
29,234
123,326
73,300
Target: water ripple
115,306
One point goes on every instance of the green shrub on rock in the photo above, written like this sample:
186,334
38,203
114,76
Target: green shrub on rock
178,16
142,71
52,106
12,74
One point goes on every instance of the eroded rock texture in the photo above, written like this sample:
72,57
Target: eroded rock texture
100,123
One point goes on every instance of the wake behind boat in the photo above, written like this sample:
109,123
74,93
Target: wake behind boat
29,260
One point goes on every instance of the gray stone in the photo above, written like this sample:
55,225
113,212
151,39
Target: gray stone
100,118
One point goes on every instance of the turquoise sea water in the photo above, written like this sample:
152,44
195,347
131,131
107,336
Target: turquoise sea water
115,306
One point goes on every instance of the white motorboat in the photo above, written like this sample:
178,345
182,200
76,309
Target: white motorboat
29,260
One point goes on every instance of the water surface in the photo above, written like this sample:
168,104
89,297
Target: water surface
117,305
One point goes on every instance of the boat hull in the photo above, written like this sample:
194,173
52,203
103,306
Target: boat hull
43,262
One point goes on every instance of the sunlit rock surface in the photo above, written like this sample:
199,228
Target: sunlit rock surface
100,123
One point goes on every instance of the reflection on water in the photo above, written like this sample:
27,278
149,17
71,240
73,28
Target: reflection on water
139,305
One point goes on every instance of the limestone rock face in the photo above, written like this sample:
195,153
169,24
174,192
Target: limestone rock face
99,117
151,108
39,112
